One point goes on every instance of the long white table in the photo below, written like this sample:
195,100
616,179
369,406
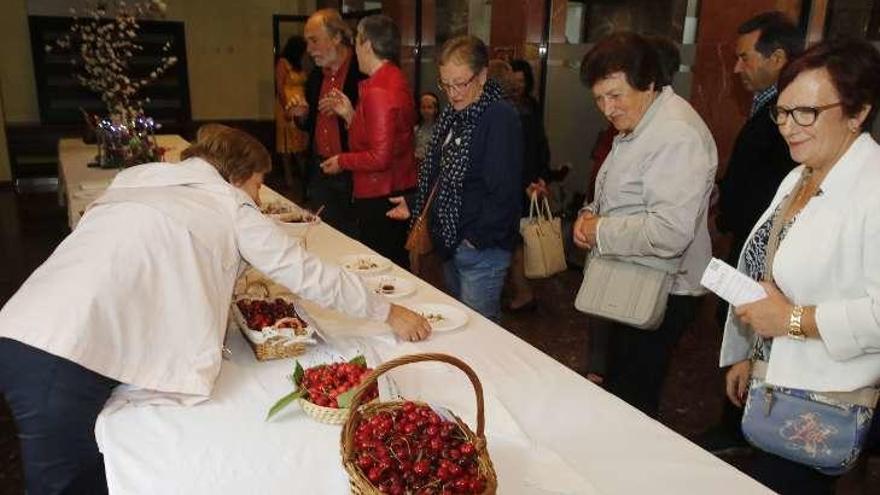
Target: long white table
549,430
79,184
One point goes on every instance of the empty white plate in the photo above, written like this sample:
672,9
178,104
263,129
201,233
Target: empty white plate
442,317
390,286
365,264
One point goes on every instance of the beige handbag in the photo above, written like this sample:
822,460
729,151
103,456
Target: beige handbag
542,239
624,291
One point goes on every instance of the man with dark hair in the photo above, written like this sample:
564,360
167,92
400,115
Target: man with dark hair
760,157
758,163
329,43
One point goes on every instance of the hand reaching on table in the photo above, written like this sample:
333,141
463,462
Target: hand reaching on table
407,324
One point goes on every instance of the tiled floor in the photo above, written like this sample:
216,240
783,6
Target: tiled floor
31,226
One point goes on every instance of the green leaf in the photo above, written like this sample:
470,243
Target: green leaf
283,402
298,374
359,360
344,399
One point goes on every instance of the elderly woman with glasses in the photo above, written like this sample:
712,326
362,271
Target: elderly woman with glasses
815,248
475,158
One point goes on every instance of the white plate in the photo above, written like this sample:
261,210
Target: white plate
451,317
365,264
390,286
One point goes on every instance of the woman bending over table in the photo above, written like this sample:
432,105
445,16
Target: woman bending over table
139,294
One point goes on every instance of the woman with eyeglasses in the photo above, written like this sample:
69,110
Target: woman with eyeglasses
475,158
818,329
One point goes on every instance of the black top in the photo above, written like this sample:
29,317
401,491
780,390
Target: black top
492,192
757,165
536,151
313,94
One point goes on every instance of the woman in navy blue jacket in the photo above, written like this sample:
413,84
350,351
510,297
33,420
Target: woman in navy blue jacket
476,155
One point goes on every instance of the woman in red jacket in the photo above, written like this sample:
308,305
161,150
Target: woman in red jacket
380,137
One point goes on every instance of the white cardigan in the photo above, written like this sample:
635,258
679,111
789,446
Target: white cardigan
830,258
140,291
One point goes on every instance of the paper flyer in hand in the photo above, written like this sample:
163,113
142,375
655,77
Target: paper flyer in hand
731,285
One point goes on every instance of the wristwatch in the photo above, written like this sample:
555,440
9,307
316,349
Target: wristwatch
794,324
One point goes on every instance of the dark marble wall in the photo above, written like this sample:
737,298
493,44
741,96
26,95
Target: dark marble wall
717,93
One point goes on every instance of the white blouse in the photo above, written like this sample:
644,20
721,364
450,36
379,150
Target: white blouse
140,291
830,258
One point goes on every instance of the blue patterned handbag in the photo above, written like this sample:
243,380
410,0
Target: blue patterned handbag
823,430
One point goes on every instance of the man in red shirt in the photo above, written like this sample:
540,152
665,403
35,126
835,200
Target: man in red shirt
329,42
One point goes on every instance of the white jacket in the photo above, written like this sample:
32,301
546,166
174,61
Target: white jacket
140,291
830,258
655,187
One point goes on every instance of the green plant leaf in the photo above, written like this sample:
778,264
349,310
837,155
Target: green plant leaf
359,360
298,373
344,399
283,402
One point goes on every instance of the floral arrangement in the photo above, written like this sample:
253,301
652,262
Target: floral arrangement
102,41
125,145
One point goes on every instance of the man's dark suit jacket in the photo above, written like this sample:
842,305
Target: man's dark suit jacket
757,165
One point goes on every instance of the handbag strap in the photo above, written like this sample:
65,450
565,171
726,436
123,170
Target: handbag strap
430,199
778,223
865,396
548,213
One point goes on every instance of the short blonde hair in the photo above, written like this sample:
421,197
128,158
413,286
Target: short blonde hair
235,154
468,50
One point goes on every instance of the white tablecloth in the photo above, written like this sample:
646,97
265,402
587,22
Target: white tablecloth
549,430
80,184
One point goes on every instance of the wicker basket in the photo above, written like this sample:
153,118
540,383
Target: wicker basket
278,347
326,415
359,483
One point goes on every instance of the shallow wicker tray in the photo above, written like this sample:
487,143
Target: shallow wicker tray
358,482
278,347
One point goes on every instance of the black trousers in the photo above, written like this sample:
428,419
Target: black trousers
380,233
55,404
787,477
333,193
639,359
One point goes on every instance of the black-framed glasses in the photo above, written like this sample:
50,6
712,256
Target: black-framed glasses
803,116
457,87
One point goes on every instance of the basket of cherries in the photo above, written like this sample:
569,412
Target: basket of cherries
407,447
272,326
325,391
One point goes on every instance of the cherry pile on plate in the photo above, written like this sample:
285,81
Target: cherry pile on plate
412,450
260,313
325,383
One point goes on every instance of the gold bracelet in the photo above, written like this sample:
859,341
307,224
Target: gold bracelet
795,331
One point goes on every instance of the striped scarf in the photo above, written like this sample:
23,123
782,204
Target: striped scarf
449,157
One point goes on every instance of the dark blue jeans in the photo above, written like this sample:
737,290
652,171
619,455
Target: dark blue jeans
55,403
476,277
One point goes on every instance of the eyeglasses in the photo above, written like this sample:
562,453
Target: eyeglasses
457,87
803,116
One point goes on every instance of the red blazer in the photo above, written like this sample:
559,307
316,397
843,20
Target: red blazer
381,136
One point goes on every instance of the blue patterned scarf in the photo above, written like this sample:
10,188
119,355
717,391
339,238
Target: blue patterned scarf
450,160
